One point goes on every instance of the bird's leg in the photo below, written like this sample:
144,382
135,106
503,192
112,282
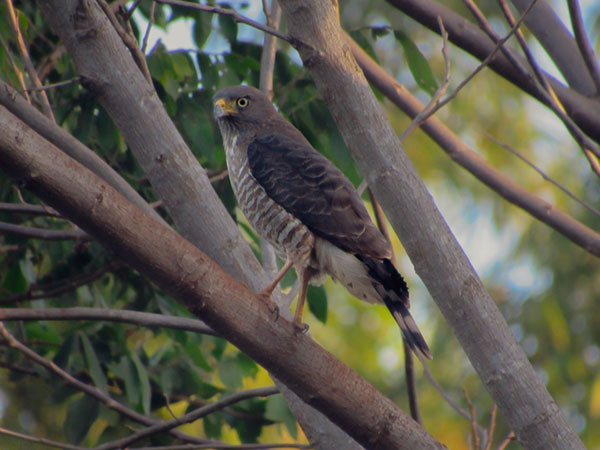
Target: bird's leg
305,276
265,294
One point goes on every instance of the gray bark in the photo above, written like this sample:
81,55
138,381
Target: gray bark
438,258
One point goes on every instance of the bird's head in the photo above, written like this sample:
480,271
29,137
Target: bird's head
241,104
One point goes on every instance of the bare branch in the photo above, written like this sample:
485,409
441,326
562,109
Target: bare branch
55,85
586,49
92,391
189,417
507,440
545,176
140,318
483,64
37,440
26,208
490,432
42,233
148,28
55,289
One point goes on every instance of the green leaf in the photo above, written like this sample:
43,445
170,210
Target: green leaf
209,71
277,410
93,364
418,65
363,42
14,280
317,302
126,371
201,29
193,351
230,374
81,415
228,27
213,425
144,381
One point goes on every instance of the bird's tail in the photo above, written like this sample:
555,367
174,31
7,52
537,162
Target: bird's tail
394,292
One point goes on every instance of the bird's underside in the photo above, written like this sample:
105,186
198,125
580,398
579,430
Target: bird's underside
307,209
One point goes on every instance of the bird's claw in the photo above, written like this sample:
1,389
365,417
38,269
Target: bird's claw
301,327
273,308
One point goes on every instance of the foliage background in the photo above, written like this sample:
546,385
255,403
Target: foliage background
545,286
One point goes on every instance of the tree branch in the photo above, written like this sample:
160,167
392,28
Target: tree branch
43,233
43,441
190,417
143,319
25,208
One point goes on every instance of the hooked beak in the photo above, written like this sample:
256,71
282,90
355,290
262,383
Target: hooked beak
224,108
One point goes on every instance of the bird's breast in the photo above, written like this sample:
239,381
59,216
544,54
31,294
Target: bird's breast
288,235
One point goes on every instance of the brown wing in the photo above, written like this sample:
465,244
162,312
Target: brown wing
311,188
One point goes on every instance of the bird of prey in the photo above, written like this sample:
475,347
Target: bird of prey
306,208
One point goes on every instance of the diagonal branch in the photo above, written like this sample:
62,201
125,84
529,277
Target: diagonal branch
586,49
189,417
43,233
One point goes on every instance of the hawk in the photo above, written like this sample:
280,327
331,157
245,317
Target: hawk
307,209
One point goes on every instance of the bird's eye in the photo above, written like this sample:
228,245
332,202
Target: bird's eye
243,102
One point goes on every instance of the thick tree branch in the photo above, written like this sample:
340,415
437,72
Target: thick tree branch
191,277
473,162
439,261
583,43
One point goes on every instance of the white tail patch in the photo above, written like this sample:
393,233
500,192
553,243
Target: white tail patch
347,269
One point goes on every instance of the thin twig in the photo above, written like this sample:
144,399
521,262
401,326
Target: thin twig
54,289
92,391
483,64
189,417
473,419
29,67
148,28
140,318
586,49
46,87
507,440
43,441
27,208
42,233
422,116
128,40
15,68
13,368
490,433
545,176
